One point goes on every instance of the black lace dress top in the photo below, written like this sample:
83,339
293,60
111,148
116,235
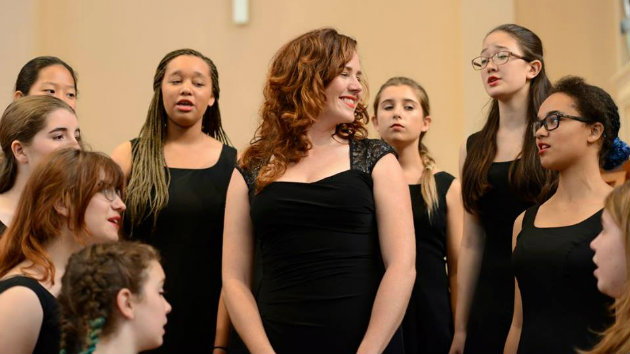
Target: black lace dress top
320,256
428,323
493,301
49,333
189,236
562,307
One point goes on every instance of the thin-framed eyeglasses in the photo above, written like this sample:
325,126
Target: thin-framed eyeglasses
498,58
110,193
552,121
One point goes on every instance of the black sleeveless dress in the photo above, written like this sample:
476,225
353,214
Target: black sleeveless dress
189,236
493,300
428,323
49,333
320,257
562,307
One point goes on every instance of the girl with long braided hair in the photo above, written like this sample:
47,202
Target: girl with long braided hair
72,199
178,171
112,300
402,118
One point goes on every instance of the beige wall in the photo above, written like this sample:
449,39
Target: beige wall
115,46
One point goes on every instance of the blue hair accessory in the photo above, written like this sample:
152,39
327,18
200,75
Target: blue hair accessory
618,154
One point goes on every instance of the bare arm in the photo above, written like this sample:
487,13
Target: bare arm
454,230
470,256
238,253
397,241
122,156
514,335
21,317
222,334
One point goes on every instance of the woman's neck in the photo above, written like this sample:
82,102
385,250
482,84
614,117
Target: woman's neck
11,197
120,341
410,160
184,135
321,134
581,182
513,111
59,250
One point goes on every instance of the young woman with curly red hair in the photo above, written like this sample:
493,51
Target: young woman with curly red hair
328,208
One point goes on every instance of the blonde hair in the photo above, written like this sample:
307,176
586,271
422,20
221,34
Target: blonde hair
427,182
616,339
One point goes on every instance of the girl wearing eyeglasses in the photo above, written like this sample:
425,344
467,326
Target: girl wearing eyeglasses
557,306
501,176
71,199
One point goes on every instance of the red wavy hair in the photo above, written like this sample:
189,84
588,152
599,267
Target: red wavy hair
67,176
294,95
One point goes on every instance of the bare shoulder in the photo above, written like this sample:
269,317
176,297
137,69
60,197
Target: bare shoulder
122,156
21,320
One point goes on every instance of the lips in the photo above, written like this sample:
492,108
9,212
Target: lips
115,220
542,148
493,80
397,126
350,101
185,105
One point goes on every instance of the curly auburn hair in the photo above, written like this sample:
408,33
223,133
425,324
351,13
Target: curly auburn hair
294,95
90,285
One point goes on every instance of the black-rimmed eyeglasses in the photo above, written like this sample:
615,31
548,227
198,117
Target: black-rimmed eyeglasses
498,58
552,121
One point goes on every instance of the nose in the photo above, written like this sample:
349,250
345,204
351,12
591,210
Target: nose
118,204
593,243
397,111
491,66
355,86
74,143
540,132
168,306
185,88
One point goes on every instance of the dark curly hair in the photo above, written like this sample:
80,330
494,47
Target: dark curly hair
92,280
294,96
594,104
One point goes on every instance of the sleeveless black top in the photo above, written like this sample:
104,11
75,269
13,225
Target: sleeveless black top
320,256
49,333
562,306
428,323
3,228
189,237
493,300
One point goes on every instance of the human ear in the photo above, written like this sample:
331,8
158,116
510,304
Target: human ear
596,133
124,303
375,122
426,123
17,148
18,94
534,69
211,101
61,208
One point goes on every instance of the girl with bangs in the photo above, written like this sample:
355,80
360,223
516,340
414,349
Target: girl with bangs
402,118
328,208
72,199
178,170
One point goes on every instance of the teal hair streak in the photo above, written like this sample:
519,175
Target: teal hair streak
96,327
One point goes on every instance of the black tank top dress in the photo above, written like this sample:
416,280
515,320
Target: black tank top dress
428,323
493,300
320,257
189,237
562,308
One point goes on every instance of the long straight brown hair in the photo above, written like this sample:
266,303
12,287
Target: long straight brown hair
527,178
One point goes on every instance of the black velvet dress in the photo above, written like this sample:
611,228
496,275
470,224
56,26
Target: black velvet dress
49,332
320,257
493,300
428,323
189,236
562,307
